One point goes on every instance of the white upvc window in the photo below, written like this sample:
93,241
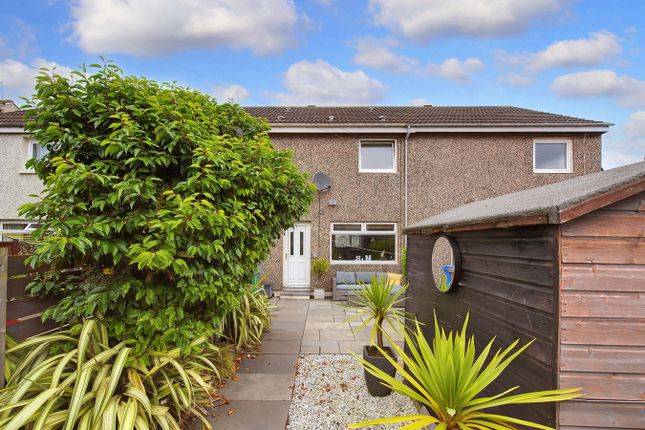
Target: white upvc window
12,230
32,149
363,243
552,156
377,156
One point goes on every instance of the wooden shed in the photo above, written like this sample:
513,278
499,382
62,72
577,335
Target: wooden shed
563,264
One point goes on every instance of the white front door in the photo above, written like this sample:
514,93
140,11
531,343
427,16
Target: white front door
297,254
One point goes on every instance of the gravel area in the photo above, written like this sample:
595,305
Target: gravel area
330,393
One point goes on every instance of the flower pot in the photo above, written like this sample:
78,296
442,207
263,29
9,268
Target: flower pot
374,357
268,289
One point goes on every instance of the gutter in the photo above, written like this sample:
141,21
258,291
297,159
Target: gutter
401,129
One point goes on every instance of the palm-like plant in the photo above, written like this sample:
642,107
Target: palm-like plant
448,378
68,380
376,303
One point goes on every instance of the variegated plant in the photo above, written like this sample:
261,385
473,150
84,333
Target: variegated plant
448,379
69,380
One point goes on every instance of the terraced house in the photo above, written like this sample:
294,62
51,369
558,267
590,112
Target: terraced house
380,169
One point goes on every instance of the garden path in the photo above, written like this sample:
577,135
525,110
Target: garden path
260,397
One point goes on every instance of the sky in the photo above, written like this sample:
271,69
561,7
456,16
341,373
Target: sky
582,58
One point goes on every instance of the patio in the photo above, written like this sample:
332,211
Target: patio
261,395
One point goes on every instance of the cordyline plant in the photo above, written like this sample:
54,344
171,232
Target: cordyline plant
164,199
448,379
376,303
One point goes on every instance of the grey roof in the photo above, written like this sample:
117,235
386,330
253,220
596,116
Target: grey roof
450,116
416,115
548,200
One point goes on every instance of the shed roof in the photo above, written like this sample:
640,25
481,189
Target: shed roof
549,204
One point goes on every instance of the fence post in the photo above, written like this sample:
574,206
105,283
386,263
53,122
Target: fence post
4,274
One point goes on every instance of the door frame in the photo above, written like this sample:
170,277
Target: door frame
307,250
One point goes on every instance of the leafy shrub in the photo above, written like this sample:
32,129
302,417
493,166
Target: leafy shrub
163,198
244,325
320,266
448,378
68,380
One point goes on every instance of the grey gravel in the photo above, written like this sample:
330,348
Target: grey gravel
330,392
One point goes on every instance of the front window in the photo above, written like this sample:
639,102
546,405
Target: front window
363,243
552,156
10,231
377,156
37,151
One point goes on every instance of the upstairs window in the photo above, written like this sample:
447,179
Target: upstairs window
377,156
552,156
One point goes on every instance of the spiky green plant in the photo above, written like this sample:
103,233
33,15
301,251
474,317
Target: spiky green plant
376,303
449,377
69,380
244,325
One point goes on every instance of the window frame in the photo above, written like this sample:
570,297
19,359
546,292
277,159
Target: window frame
364,231
376,142
568,156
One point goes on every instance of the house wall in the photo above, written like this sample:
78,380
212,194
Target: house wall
602,323
508,286
360,197
16,182
448,170
445,170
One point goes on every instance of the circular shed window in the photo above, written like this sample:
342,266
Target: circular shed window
446,263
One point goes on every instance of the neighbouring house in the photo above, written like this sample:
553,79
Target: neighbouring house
563,265
389,166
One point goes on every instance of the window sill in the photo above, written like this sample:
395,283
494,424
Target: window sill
358,263
377,171
27,172
542,171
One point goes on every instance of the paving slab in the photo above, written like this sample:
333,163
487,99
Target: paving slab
280,347
270,363
287,325
311,335
326,346
251,414
310,350
282,335
259,386
344,334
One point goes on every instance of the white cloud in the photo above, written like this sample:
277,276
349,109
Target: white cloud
424,19
418,102
376,54
153,27
620,152
635,125
457,70
320,83
597,48
18,78
628,91
236,93
516,80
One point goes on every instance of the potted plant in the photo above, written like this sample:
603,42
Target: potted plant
319,267
376,303
448,378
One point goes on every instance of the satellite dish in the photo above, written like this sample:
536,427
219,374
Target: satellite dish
322,181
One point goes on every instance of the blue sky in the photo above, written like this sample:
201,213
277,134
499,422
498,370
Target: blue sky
580,58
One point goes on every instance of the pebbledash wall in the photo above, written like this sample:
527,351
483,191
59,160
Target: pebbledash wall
16,182
445,170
